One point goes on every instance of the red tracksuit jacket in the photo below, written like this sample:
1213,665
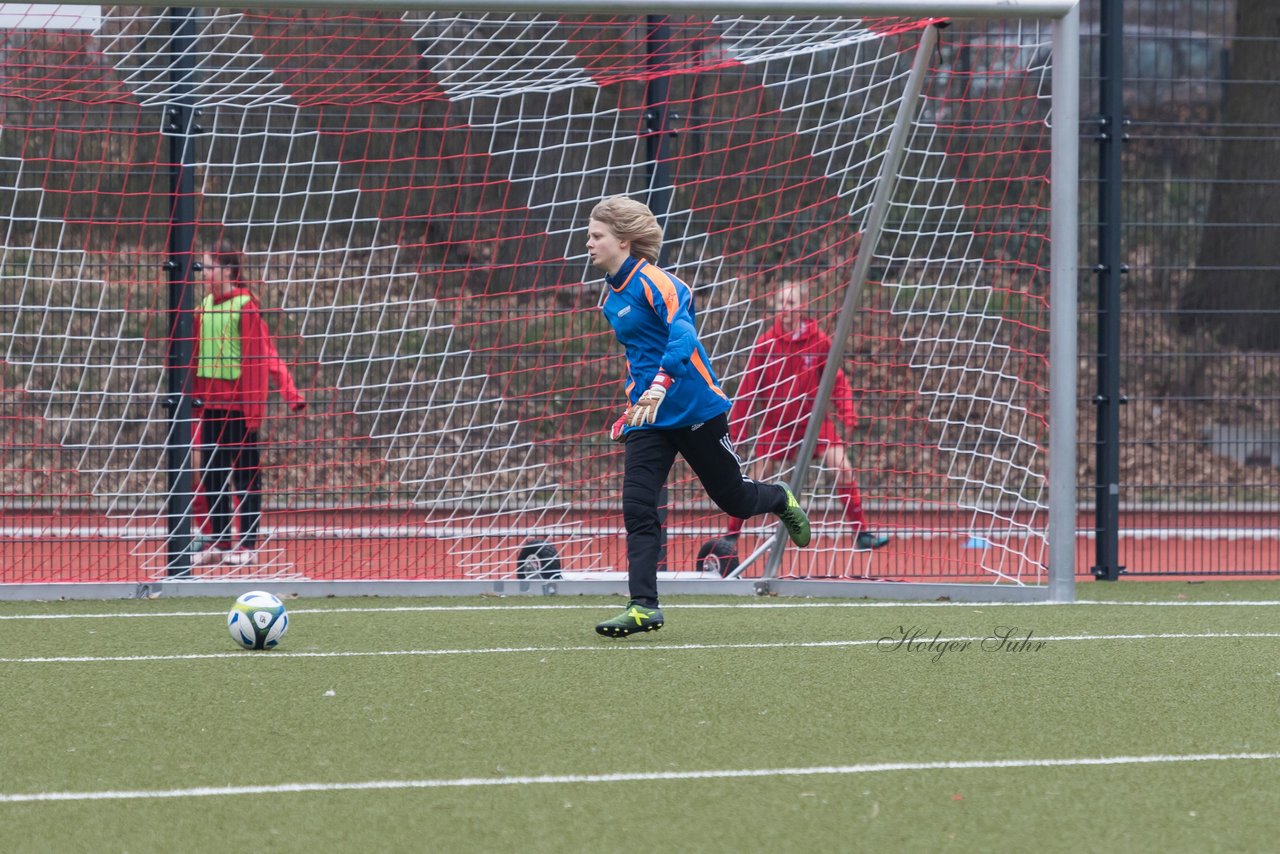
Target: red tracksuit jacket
779,390
259,364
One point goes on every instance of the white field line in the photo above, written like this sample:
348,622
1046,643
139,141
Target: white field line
636,777
611,647
712,606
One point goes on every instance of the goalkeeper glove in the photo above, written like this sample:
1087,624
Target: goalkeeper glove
615,431
645,410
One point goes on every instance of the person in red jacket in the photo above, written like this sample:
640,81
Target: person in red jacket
235,363
777,397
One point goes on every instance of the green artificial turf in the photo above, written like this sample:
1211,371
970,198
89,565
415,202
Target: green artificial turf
829,706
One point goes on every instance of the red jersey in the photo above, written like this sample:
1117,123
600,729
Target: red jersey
780,387
260,363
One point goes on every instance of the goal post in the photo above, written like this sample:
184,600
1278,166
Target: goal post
406,188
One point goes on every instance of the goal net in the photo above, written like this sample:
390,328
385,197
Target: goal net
409,193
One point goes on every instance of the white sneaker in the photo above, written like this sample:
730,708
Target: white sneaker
209,556
241,557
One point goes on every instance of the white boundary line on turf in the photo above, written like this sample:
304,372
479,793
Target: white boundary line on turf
635,777
693,606
609,647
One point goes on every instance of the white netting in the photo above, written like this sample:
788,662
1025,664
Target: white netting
411,192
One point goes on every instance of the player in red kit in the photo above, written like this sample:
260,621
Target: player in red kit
777,397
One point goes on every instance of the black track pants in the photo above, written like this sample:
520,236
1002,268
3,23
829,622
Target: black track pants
650,453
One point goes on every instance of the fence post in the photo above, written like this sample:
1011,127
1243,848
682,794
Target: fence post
1110,269
657,57
657,54
178,126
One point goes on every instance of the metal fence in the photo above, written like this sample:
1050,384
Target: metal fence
1179,456
1179,426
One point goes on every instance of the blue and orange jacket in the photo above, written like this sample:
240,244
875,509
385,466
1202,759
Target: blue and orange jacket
652,315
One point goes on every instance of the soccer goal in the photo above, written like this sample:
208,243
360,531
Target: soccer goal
405,190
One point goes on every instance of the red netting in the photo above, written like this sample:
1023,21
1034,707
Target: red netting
410,195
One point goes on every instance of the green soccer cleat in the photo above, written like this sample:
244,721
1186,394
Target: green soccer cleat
795,520
868,541
637,618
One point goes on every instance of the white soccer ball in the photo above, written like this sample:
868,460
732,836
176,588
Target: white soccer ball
257,620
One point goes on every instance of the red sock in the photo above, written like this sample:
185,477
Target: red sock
853,512
735,527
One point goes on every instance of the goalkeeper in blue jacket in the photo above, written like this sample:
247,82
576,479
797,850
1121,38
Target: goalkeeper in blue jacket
676,404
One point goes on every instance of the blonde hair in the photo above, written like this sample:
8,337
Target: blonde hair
633,221
799,288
